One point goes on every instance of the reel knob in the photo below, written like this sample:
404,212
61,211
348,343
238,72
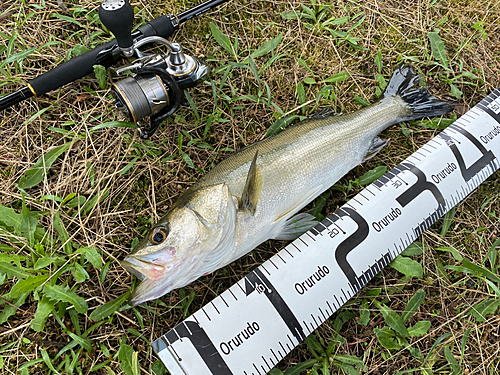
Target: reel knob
118,17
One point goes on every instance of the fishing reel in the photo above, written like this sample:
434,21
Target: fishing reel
154,86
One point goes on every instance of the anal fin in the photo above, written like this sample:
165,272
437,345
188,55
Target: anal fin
376,145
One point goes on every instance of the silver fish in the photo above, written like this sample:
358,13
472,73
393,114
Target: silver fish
254,194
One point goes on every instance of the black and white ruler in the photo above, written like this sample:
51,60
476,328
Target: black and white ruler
250,327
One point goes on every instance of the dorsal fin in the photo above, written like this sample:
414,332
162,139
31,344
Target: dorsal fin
251,191
324,113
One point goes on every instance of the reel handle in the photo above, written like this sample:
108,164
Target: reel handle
118,17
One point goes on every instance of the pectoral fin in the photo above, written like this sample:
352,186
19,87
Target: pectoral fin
298,224
253,185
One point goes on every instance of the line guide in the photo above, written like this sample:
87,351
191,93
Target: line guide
251,326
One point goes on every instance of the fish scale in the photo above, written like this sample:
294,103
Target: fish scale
251,326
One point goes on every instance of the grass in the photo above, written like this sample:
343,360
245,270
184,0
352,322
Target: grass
64,228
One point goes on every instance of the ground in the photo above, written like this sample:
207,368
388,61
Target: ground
63,230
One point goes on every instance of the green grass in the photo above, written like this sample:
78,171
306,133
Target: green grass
79,188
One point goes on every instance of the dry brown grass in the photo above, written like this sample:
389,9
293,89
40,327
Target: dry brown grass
138,198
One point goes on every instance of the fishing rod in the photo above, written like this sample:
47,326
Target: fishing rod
155,86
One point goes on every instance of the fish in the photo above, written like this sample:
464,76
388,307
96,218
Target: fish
256,193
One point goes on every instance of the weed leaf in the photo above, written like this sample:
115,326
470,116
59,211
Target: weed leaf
101,74
253,68
126,358
18,57
452,361
36,115
266,47
387,338
413,304
339,77
484,308
350,360
108,308
360,100
27,285
280,124
416,248
59,293
84,343
43,310
364,313
114,124
29,220
392,319
438,341
34,175
304,65
455,91
45,262
129,165
275,371
318,205
159,368
48,361
378,61
454,252
67,19
297,369
222,39
10,270
92,255
89,205
481,270
10,218
301,94
419,329
79,273
11,309
290,15
63,235
314,346
372,175
407,266
438,48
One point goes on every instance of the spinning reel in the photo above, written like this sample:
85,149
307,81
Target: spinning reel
154,87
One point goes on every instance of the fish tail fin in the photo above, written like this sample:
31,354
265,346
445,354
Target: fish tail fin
420,102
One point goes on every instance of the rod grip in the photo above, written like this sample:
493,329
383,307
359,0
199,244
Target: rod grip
69,71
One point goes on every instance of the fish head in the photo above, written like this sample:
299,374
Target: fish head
194,237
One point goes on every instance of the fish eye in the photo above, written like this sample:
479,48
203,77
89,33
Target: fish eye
157,236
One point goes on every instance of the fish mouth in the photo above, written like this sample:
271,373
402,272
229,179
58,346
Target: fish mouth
140,268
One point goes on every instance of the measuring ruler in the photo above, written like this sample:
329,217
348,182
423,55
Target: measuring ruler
250,327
